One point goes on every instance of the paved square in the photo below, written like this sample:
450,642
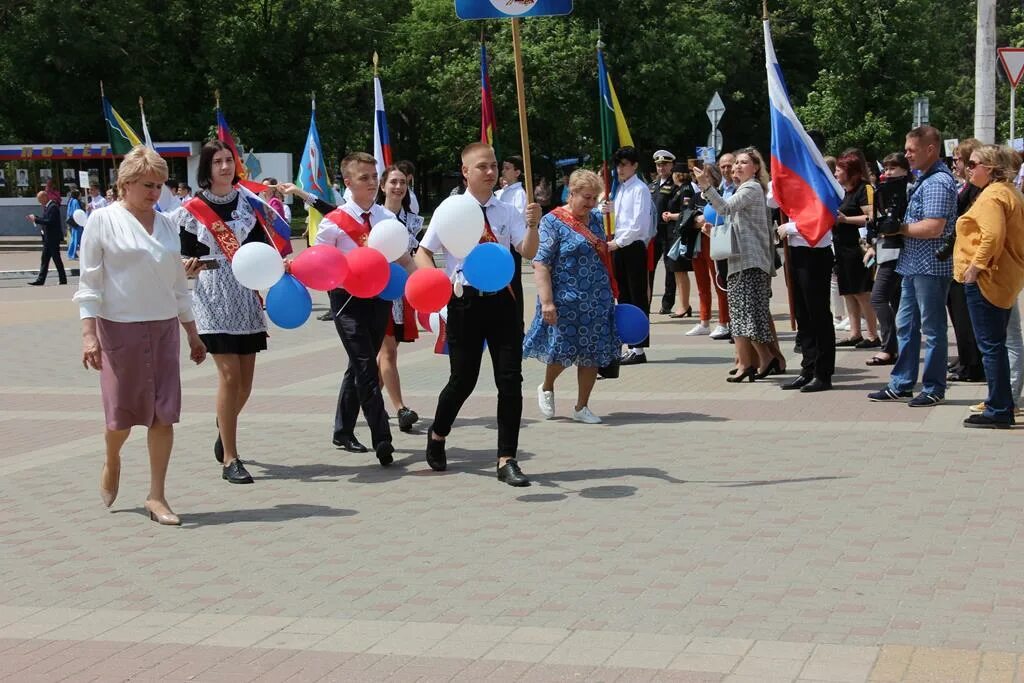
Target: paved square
705,532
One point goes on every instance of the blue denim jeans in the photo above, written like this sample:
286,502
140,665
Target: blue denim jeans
921,321
990,322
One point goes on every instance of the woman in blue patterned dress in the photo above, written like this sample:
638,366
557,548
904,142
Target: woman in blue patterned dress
574,323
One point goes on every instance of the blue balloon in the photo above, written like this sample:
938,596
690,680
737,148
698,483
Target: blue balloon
489,267
395,288
631,324
289,303
711,216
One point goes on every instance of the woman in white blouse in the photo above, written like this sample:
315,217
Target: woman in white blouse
132,295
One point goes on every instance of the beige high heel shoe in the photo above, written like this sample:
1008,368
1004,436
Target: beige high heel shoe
108,497
165,518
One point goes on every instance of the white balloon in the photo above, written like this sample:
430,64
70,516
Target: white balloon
257,265
459,223
390,238
435,323
80,217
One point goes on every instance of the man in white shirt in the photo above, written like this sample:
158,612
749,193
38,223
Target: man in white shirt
96,200
634,229
361,323
513,193
476,317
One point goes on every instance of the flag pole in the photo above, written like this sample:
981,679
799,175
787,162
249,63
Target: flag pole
524,133
606,175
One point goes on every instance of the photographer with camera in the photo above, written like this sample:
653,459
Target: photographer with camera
890,203
921,319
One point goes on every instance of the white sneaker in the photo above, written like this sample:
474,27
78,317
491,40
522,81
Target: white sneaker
584,415
843,325
546,402
720,332
698,329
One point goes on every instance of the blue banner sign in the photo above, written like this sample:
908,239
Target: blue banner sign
504,9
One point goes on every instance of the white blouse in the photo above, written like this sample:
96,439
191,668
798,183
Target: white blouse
128,275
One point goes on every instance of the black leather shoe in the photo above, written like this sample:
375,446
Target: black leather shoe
37,283
511,474
385,453
235,473
406,419
326,316
349,443
664,311
798,383
816,385
436,457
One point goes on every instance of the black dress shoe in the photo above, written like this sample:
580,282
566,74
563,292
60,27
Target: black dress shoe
385,453
235,473
436,457
816,385
326,316
799,383
349,443
664,311
406,419
37,283
982,422
511,474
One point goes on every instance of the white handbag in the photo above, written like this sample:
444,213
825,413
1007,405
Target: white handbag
723,242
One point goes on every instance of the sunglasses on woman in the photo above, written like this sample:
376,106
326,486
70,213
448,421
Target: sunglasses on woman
972,164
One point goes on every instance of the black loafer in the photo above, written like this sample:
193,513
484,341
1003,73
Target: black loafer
385,453
36,283
982,422
816,385
436,457
235,473
326,316
511,474
349,443
798,383
406,419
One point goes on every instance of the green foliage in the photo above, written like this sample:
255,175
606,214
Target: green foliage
852,67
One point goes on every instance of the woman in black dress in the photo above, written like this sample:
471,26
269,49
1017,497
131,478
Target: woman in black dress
855,278
681,267
229,316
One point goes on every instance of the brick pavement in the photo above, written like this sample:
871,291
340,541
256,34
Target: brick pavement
706,532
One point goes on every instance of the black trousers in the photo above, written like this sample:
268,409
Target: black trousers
51,250
631,274
810,270
885,300
361,326
473,320
662,244
968,355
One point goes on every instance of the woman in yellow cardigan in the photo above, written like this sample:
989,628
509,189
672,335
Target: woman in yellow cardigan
989,261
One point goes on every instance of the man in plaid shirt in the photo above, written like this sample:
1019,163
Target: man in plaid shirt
921,319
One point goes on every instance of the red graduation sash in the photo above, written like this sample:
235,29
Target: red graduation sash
600,246
345,221
225,236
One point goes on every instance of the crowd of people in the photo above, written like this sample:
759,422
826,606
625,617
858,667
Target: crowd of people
891,252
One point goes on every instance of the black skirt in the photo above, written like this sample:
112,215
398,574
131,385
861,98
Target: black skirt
237,344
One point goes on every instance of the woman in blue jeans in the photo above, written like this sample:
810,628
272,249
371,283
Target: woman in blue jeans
989,261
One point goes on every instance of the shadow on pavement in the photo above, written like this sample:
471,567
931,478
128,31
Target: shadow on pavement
626,419
279,513
694,360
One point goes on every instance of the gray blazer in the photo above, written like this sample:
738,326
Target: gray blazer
751,227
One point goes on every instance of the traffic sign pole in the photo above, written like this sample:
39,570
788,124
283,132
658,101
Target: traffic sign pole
1012,59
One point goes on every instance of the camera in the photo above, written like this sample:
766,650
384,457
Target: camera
946,250
890,205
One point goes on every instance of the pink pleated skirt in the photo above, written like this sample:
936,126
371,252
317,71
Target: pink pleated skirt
141,375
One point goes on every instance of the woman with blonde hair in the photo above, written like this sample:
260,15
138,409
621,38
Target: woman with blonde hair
132,296
989,260
575,319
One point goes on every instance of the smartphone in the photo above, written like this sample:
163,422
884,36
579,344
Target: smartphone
209,262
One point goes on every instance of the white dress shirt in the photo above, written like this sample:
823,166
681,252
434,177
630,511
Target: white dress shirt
634,213
329,233
507,224
129,275
97,202
515,195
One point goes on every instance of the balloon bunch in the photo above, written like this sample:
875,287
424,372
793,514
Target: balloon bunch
459,223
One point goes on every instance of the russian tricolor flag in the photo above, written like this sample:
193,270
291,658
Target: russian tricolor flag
802,183
381,139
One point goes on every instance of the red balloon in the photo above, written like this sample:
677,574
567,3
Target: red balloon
320,267
428,290
368,272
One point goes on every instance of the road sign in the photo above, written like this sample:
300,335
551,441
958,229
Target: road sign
505,9
1013,63
716,107
715,140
